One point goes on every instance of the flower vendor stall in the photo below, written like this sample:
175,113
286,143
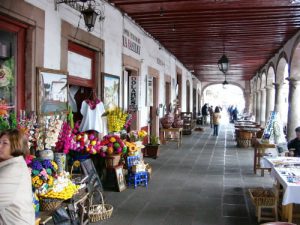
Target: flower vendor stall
56,143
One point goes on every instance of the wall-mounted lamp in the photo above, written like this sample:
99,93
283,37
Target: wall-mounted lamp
88,9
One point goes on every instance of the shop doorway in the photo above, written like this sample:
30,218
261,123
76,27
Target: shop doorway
168,93
179,89
154,125
188,96
126,75
12,64
194,102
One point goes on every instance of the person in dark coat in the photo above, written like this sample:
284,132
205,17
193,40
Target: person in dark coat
204,112
295,143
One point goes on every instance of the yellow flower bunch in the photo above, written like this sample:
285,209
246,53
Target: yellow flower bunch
37,181
65,194
55,166
50,181
116,119
142,134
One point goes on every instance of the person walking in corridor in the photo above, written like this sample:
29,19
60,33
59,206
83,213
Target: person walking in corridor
204,112
216,121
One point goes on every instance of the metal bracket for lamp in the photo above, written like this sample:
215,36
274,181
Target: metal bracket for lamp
89,13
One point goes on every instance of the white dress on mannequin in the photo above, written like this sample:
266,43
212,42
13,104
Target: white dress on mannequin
91,116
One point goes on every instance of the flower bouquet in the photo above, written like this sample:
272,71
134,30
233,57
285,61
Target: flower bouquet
137,135
116,119
112,144
43,173
134,148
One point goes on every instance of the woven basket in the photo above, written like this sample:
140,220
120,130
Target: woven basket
244,143
50,204
112,161
262,197
245,135
101,211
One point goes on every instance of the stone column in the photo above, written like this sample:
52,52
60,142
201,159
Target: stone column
247,97
270,92
254,104
293,112
257,114
262,106
278,97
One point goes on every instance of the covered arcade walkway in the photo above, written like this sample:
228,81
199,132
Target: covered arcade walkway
205,182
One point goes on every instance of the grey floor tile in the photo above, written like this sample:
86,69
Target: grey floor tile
204,182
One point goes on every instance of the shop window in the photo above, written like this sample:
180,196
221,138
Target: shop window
82,82
12,78
81,65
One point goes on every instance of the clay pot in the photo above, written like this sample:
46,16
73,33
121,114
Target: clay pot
167,121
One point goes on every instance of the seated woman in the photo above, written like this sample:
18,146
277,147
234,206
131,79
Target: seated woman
295,143
16,190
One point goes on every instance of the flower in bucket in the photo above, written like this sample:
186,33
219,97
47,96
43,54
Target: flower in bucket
134,147
65,139
112,144
137,135
87,143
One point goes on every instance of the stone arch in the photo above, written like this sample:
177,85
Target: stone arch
221,96
271,75
282,90
294,60
258,83
263,78
281,70
220,82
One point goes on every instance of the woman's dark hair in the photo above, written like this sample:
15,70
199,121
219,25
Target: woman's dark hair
217,110
297,129
18,142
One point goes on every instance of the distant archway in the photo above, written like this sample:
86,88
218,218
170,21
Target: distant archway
224,96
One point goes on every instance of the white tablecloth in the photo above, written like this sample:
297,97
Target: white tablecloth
280,173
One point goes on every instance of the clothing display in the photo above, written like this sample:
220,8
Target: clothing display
72,102
92,112
15,193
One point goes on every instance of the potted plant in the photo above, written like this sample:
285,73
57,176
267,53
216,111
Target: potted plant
152,148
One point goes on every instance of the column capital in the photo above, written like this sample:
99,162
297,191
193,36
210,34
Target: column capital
269,87
294,81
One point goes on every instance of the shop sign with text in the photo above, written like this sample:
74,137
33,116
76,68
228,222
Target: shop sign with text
133,93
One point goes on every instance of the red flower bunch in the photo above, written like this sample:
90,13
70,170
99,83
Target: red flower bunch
65,139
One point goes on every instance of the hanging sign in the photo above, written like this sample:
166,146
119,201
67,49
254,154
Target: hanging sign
133,93
149,90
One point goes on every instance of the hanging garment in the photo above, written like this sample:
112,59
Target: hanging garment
72,102
92,112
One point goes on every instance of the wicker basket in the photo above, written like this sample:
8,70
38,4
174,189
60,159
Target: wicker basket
112,161
50,204
101,211
262,197
245,135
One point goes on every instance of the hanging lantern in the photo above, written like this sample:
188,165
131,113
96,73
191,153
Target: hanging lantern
223,64
89,16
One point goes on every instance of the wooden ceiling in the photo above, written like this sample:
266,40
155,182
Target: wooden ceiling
252,31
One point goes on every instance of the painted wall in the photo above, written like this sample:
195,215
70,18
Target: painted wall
111,31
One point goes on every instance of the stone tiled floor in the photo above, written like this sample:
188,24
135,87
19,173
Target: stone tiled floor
204,182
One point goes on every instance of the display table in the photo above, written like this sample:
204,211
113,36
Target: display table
286,171
81,204
172,134
259,152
